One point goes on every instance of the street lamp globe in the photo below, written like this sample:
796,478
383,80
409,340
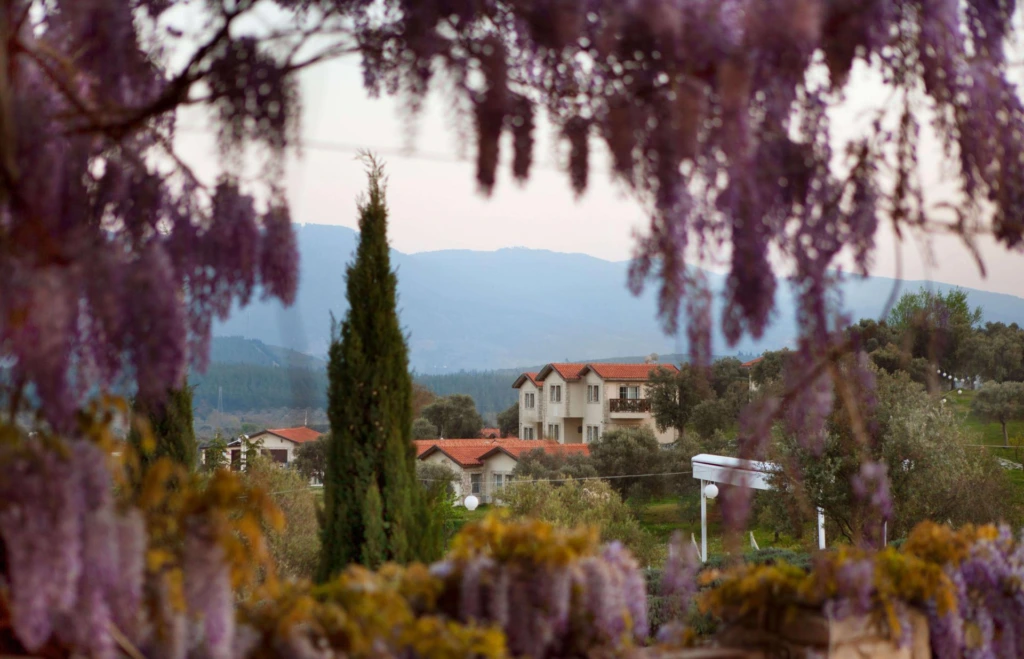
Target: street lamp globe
711,491
471,503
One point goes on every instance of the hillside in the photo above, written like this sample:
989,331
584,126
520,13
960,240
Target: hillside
468,310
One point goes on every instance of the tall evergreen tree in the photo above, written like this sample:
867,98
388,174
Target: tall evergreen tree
172,427
370,409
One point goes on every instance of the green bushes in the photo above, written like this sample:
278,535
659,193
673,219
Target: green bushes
585,503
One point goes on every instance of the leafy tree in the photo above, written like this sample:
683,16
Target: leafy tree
421,397
538,464
872,335
675,394
624,452
770,368
726,375
170,422
296,548
438,483
932,472
215,454
578,503
1001,402
508,421
455,417
936,326
423,429
370,410
712,415
311,458
996,352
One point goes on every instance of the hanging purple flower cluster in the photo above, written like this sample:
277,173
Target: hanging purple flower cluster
708,109
549,608
114,257
85,570
716,113
989,620
74,562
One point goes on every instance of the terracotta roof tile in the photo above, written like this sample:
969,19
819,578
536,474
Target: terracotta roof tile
298,435
569,372
471,452
532,377
627,371
751,362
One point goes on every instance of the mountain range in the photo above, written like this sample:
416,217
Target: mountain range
465,309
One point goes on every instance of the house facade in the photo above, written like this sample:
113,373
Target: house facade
483,467
578,403
278,444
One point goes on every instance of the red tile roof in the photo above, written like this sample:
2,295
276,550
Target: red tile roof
627,371
472,452
751,362
532,377
490,433
568,372
298,435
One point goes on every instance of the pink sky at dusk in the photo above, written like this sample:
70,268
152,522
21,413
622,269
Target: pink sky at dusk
435,204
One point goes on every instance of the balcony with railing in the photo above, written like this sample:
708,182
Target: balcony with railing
629,406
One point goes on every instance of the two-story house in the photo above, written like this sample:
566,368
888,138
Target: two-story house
577,403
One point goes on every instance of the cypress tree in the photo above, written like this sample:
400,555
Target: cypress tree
375,547
369,396
172,427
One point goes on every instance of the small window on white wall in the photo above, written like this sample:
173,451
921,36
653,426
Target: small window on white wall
553,431
593,393
529,401
556,394
528,432
632,393
592,434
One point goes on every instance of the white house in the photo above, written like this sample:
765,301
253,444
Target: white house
279,444
577,403
484,466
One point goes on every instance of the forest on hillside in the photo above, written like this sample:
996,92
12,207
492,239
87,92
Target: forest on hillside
237,388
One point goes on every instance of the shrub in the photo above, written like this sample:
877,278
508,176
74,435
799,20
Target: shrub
584,503
295,548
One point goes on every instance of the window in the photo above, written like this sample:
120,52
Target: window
556,394
632,393
278,455
499,481
593,393
529,401
474,483
592,434
528,432
553,431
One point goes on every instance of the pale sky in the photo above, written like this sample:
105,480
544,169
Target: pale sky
435,204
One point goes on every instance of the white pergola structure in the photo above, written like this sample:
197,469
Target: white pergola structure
711,469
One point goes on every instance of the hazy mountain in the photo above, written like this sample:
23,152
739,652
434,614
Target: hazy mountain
472,310
240,350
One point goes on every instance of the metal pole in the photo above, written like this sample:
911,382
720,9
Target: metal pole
821,528
885,533
703,524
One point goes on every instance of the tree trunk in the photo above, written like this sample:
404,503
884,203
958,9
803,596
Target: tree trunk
1006,438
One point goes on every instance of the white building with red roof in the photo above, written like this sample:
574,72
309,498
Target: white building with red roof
577,403
279,444
484,466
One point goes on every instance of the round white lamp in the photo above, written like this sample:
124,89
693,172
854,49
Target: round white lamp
943,401
711,491
471,503
960,391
